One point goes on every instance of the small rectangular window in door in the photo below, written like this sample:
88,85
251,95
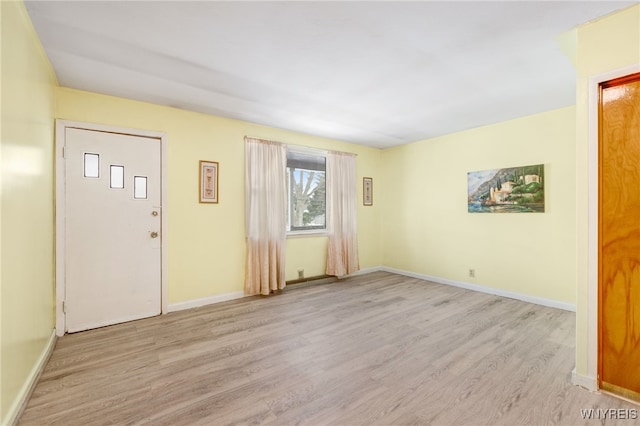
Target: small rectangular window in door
140,187
117,177
91,165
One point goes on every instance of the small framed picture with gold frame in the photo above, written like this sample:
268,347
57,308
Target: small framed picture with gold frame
367,191
208,182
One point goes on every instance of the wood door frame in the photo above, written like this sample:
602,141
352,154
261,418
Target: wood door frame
591,380
60,209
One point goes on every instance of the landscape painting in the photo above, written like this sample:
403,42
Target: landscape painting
510,190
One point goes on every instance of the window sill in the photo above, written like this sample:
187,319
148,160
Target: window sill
307,233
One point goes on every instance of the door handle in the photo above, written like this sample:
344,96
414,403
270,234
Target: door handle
154,235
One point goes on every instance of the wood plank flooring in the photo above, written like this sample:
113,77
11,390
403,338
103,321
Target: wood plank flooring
376,349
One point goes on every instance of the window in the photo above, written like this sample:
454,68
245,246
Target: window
307,194
116,178
91,165
140,187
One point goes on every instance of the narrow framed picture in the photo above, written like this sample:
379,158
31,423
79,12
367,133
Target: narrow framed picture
367,191
208,182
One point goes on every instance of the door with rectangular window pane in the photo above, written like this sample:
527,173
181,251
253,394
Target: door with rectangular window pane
112,228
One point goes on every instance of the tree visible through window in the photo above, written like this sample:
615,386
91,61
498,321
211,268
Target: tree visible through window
307,191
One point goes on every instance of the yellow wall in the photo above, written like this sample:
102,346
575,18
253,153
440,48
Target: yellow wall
605,45
427,228
197,268
27,203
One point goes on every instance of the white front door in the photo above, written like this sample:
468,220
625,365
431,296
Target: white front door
112,228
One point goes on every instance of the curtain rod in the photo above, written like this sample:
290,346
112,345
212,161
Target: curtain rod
262,139
301,146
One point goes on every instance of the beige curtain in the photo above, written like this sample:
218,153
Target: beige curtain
342,256
265,191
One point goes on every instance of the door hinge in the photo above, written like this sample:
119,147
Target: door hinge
63,153
64,308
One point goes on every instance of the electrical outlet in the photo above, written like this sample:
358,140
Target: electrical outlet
472,273
300,274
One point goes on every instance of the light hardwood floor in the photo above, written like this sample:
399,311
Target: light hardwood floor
376,349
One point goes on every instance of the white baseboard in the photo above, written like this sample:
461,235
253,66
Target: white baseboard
496,292
365,271
587,382
196,303
19,404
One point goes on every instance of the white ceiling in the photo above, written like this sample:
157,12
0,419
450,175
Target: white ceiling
373,73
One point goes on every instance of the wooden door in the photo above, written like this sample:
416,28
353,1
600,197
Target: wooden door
619,239
112,228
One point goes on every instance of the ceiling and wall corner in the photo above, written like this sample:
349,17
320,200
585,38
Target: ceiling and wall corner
374,73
